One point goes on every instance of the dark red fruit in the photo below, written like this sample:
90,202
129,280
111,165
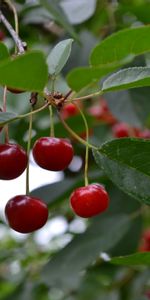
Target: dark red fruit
145,134
26,214
13,161
102,113
145,241
89,201
120,130
147,294
53,154
2,35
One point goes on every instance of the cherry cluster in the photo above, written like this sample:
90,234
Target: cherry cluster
101,112
26,214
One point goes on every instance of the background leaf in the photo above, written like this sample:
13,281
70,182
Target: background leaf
72,259
78,11
59,56
6,117
132,106
58,14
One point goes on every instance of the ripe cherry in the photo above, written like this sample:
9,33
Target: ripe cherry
54,154
13,161
26,214
122,129
101,112
89,201
145,134
145,241
69,110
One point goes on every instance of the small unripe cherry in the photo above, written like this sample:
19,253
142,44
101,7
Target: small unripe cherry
89,201
26,214
13,161
53,154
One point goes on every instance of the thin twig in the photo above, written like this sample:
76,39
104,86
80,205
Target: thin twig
12,32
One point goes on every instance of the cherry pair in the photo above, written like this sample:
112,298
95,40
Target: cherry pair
49,153
55,154
26,214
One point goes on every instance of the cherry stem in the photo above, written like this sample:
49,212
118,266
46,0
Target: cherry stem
12,7
13,33
87,145
52,131
76,136
25,115
99,93
28,152
4,110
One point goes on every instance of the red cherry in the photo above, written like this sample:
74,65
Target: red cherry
89,201
121,130
146,235
101,112
13,161
54,154
145,241
26,214
147,294
145,134
69,110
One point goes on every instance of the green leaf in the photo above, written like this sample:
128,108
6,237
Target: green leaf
59,56
126,162
56,11
3,52
121,47
64,269
78,78
130,106
124,45
27,72
133,259
6,117
78,11
127,79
